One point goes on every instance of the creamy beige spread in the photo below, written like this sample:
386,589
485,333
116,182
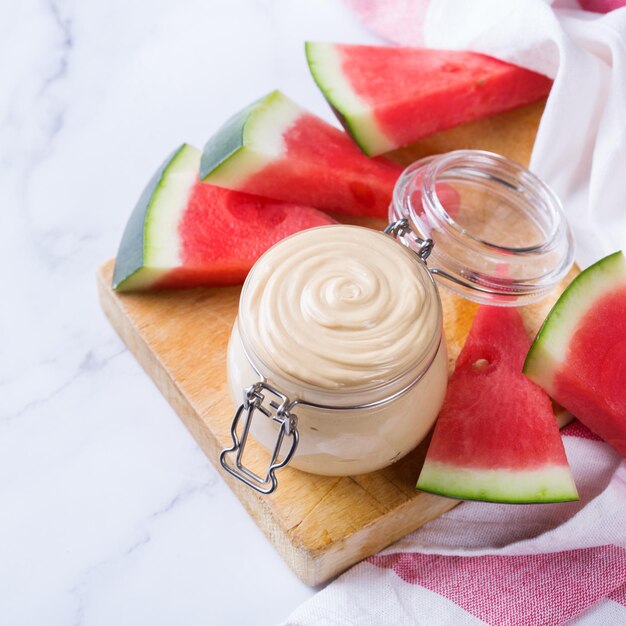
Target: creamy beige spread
339,307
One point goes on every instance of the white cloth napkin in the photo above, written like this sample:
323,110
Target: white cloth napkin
500,564
534,564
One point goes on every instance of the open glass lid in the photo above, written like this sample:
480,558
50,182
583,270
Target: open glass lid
499,233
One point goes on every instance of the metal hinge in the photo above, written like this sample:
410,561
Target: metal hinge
400,228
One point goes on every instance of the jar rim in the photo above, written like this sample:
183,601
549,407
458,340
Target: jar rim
468,263
378,389
385,399
509,169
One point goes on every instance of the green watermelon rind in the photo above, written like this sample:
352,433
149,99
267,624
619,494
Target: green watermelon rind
250,140
549,350
552,483
149,245
354,114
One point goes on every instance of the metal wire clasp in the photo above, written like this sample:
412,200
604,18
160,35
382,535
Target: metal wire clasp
400,228
279,410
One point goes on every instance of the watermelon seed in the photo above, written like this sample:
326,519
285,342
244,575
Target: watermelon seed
480,364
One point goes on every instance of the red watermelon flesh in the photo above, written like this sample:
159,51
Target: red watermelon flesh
496,438
579,355
311,168
277,149
387,97
224,232
184,233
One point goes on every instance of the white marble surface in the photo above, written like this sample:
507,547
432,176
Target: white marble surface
109,511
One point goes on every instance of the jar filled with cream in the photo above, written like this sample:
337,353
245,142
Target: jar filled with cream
337,360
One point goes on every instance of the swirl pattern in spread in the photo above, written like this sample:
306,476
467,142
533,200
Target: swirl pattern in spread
339,307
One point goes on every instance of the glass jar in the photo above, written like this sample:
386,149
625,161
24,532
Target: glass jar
499,234
491,231
348,417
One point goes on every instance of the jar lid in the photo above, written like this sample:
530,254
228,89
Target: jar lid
498,231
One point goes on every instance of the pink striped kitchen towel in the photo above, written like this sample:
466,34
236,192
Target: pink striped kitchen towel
501,564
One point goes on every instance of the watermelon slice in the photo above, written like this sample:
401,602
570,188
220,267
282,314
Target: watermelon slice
184,233
276,149
579,355
387,97
496,438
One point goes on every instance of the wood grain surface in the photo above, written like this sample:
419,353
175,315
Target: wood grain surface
320,525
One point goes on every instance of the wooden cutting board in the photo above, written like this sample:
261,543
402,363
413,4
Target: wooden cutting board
320,525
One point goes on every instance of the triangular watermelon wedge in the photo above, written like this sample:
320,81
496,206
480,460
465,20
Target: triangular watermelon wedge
389,96
579,355
184,233
277,149
496,438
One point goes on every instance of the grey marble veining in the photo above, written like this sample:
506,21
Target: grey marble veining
109,512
